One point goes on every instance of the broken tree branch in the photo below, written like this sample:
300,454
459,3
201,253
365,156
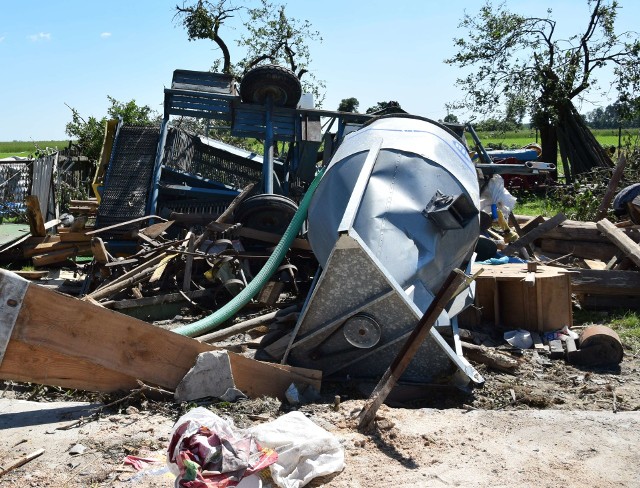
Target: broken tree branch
22,461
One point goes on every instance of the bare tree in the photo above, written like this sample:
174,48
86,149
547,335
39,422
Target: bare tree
518,63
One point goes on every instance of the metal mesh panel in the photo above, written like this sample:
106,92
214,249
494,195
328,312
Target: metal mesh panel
185,152
14,187
128,177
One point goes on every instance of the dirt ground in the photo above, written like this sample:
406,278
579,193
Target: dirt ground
550,424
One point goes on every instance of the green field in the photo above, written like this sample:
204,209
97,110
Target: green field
25,148
516,139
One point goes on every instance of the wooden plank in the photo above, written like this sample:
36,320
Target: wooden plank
623,242
99,251
595,264
127,279
258,379
157,300
37,364
54,323
608,302
155,230
122,224
605,282
586,250
75,237
45,247
157,274
532,224
32,275
536,233
34,215
574,230
91,201
61,255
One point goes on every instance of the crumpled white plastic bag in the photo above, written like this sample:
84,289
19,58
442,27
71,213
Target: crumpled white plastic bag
305,450
495,193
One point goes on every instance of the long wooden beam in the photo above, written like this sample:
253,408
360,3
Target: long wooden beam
73,343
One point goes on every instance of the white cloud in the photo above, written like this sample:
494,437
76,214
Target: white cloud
105,35
42,36
2,38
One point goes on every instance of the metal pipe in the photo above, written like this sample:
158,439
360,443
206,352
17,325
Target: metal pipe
267,160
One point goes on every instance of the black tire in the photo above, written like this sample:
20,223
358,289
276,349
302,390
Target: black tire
270,79
267,212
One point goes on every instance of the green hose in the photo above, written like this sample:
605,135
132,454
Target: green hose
241,299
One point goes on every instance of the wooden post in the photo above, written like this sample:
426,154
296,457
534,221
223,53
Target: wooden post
448,290
611,187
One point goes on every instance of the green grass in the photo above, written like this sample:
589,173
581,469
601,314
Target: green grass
534,205
625,323
516,139
25,148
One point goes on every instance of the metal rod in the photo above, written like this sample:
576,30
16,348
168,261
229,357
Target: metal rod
267,160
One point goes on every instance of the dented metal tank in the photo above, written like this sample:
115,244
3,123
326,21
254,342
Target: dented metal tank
419,205
396,211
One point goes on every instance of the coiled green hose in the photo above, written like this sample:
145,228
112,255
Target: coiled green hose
241,299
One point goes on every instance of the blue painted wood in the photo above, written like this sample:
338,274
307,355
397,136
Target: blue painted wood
203,81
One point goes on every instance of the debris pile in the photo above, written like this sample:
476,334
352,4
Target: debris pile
381,282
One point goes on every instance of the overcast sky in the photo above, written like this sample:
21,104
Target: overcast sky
79,51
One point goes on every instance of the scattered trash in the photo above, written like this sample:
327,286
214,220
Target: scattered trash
206,451
139,463
77,450
519,338
301,458
211,376
298,394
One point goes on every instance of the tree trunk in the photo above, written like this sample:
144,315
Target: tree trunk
578,145
548,141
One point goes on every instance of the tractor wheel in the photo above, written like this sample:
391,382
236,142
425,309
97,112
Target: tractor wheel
269,213
280,83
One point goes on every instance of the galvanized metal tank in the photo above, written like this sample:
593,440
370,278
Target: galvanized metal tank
418,207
